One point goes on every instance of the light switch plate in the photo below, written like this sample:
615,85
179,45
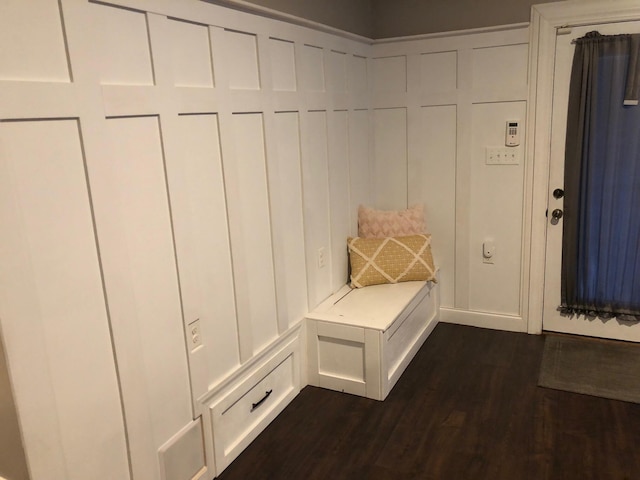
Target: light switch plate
502,156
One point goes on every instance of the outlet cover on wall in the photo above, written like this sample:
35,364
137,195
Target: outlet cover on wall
194,335
322,257
488,251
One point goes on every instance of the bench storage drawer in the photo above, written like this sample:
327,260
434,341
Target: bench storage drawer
241,412
360,341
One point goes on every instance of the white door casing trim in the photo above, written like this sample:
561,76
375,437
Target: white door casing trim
545,20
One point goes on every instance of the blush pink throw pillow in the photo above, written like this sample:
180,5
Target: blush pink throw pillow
390,223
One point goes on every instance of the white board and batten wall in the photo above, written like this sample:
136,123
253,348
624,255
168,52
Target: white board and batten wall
165,163
438,102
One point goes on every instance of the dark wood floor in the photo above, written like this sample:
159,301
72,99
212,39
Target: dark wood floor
467,407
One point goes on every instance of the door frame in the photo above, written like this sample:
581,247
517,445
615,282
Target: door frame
545,20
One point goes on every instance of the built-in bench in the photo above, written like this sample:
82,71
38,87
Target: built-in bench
361,340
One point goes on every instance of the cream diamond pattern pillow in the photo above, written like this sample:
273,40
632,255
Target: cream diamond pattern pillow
390,260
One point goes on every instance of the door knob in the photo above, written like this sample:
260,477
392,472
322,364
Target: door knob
558,193
557,214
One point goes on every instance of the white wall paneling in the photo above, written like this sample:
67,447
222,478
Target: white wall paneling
464,106
223,151
496,213
241,57
390,158
123,46
358,82
359,165
191,54
201,158
189,162
285,180
500,68
338,130
283,65
199,209
142,286
12,455
315,178
43,56
439,102
439,72
52,307
390,74
337,72
183,456
432,183
312,68
250,226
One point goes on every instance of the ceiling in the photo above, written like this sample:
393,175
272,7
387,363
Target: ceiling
379,19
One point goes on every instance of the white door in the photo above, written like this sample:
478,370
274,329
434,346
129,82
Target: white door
552,320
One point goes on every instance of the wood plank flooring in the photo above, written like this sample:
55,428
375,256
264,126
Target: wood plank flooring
468,407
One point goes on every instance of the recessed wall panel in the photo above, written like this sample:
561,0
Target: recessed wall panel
359,165
190,54
432,182
202,242
37,53
390,158
12,454
337,72
123,42
390,74
315,174
495,213
52,307
357,74
283,65
142,287
339,196
312,69
285,188
439,71
248,196
241,54
503,67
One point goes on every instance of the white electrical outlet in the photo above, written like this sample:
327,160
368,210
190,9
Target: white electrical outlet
502,156
194,337
488,251
322,257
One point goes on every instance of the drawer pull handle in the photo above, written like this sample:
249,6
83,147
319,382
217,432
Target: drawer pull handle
261,401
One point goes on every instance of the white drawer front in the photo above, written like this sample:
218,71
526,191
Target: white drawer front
244,412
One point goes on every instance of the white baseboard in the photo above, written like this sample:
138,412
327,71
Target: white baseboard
495,321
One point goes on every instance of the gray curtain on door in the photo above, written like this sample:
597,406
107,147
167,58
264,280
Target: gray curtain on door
601,230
